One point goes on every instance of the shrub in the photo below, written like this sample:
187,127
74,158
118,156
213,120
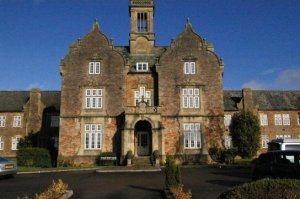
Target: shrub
245,132
179,193
265,188
129,155
34,157
172,172
155,154
55,191
222,155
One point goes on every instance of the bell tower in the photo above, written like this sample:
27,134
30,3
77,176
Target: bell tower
142,36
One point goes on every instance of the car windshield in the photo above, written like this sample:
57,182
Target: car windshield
3,159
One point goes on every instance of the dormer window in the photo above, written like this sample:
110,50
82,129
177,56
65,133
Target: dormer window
94,68
141,66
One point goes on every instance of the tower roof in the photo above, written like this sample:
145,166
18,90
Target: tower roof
141,3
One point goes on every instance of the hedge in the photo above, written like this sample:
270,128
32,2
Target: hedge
265,188
34,157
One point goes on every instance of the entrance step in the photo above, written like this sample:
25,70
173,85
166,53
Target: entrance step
142,161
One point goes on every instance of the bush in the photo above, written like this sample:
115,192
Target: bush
34,157
172,172
245,132
179,193
55,191
266,188
222,155
129,155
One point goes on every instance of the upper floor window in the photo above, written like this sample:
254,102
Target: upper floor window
142,94
2,121
93,98
286,119
192,135
17,121
227,120
263,119
189,68
283,119
142,22
54,121
264,141
94,67
298,118
1,143
191,98
14,142
142,66
93,136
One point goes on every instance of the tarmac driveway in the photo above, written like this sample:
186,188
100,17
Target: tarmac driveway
205,182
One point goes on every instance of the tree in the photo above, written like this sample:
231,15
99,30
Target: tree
245,132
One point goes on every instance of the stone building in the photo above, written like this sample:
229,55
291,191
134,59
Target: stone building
140,98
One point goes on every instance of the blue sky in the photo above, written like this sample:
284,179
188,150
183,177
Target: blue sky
259,40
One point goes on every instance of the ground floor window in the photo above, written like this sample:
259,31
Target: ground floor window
283,136
228,141
93,134
14,143
1,143
192,136
264,141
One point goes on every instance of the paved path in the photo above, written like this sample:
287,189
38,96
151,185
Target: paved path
205,183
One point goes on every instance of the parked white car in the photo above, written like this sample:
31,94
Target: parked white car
284,144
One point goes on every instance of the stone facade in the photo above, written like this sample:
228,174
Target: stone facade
140,98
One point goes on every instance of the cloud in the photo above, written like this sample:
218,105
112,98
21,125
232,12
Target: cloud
290,77
34,85
255,85
269,71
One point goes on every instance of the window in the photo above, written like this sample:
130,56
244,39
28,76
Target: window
191,98
93,98
278,119
286,119
192,135
298,118
142,94
14,143
54,121
94,67
228,142
227,120
142,66
2,121
1,143
142,23
189,68
283,136
17,121
283,119
93,134
263,119
264,141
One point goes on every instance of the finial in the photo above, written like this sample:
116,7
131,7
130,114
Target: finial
188,24
96,25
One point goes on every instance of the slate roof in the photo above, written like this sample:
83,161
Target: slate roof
265,99
13,101
277,100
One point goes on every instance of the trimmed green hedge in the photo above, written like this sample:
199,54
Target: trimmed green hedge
34,157
265,188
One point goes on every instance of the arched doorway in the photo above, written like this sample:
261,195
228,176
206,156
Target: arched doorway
143,138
